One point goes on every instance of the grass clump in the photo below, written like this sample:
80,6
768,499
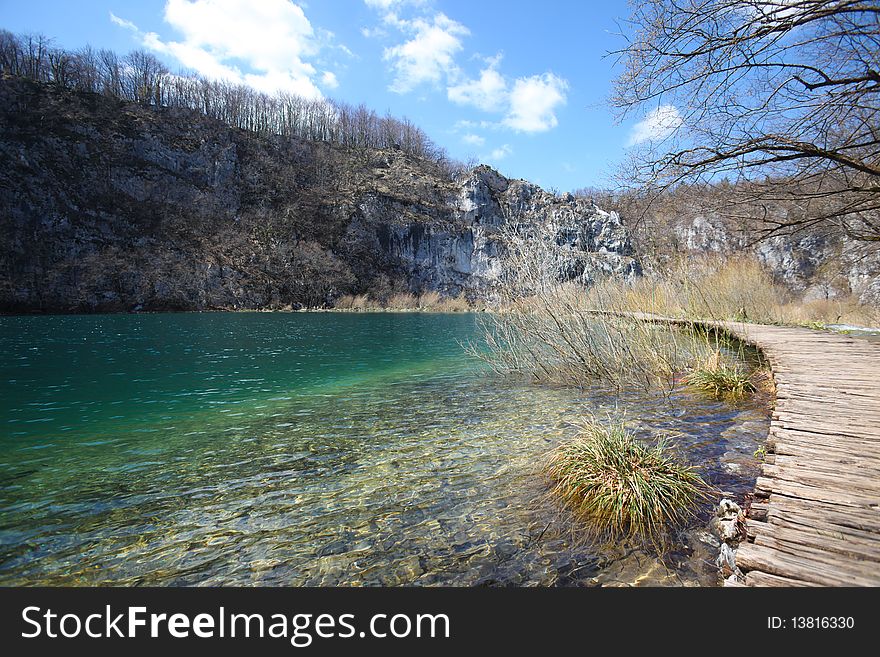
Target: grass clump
720,379
623,488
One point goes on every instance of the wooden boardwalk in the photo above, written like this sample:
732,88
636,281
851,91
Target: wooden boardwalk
815,520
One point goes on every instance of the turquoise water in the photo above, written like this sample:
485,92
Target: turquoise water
305,448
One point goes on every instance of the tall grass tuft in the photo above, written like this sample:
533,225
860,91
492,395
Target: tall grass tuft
721,379
556,331
623,488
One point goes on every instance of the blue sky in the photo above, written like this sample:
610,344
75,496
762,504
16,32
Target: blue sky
518,85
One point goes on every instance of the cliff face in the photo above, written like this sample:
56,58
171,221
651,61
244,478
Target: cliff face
462,252
113,206
817,264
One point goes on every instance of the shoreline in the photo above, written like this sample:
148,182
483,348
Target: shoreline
377,310
851,330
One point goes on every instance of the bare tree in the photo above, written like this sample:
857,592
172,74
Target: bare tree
11,55
779,95
142,78
110,73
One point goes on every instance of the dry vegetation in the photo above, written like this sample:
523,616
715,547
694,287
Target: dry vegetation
426,302
726,288
560,332
564,333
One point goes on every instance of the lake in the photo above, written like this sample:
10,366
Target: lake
311,449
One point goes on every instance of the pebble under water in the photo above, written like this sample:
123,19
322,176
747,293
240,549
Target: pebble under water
312,449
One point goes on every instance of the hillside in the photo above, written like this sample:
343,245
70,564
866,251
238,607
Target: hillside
109,205
813,260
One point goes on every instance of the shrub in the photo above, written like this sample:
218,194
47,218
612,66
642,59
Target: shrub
353,302
402,301
429,300
458,304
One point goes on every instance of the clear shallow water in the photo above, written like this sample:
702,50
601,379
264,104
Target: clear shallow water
321,449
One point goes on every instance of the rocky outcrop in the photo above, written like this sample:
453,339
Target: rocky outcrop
462,253
115,206
816,264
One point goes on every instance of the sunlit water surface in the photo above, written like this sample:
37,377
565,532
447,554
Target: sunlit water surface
319,449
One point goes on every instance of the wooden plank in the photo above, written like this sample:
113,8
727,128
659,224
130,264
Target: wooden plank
768,486
829,463
863,519
819,427
751,557
758,511
865,538
793,447
818,522
832,481
757,578
859,572
799,537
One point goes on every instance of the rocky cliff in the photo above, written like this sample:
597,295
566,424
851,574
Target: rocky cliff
815,263
111,206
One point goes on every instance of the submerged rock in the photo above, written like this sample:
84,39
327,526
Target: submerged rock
726,560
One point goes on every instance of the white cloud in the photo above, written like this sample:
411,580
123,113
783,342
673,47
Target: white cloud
264,44
121,22
465,124
488,92
193,57
527,104
473,140
429,55
328,79
385,5
533,103
499,153
373,32
659,123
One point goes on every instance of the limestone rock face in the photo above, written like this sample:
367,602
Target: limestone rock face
461,251
115,206
817,265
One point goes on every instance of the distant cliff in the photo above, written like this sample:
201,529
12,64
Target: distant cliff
113,206
813,260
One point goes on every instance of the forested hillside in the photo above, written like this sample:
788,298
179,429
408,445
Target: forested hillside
110,204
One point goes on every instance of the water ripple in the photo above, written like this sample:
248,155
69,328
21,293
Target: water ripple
364,450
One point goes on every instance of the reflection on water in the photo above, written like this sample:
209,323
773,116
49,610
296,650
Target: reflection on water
287,449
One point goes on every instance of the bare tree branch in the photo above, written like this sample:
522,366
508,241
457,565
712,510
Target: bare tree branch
777,94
